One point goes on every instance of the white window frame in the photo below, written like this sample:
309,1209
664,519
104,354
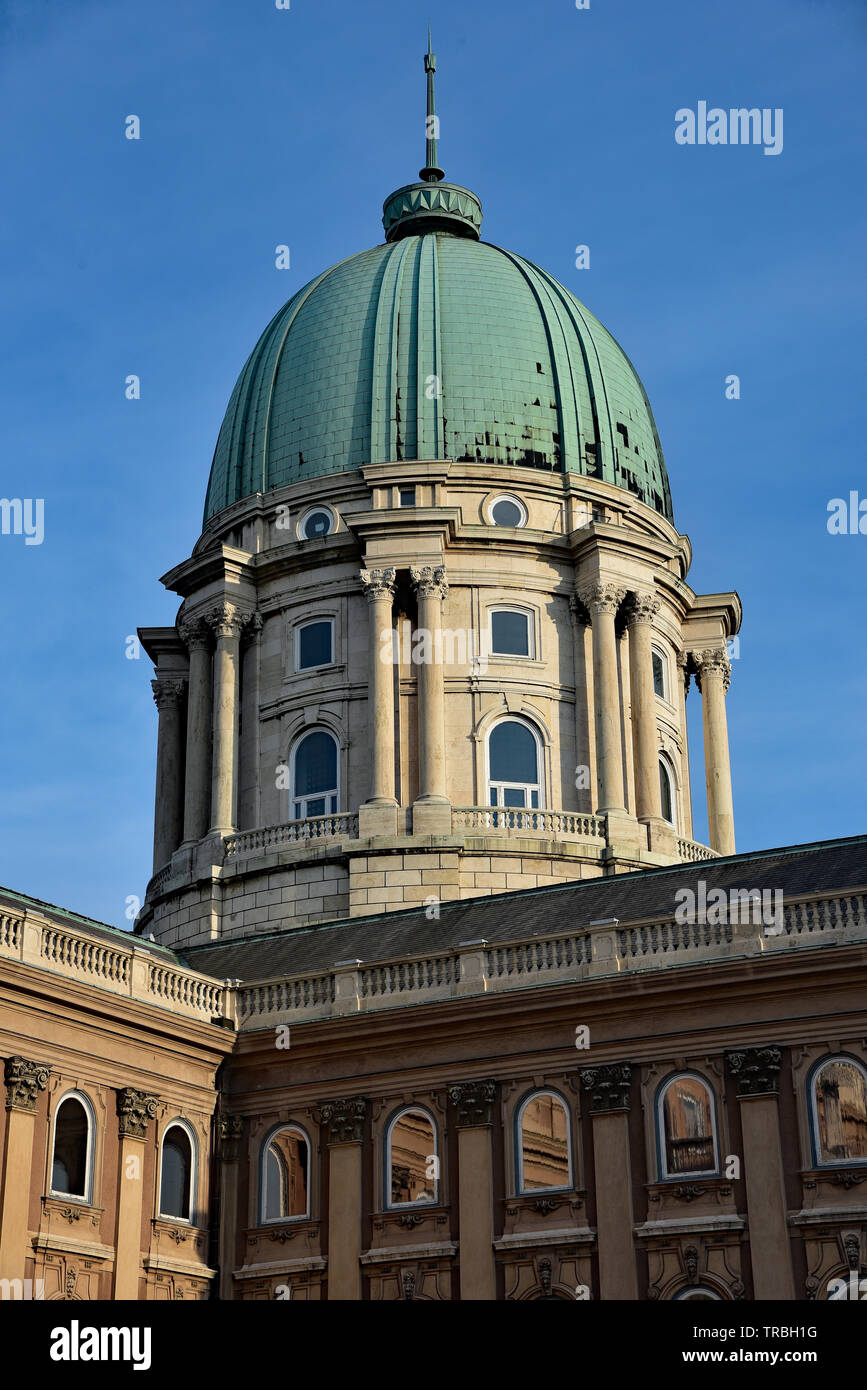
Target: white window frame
516,501
664,1175
815,1136
656,650
311,511
332,791
90,1114
522,1189
179,1123
296,641
528,614
667,768
290,1128
528,787
421,1201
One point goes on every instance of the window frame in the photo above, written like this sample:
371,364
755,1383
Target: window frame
89,1164
311,511
527,786
661,1138
666,767
812,1100
327,795
516,501
180,1123
656,650
292,1127
296,644
521,1190
389,1205
530,617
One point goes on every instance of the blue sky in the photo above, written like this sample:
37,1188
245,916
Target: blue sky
261,126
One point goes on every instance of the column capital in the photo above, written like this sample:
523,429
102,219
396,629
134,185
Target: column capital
641,608
608,1087
344,1119
474,1102
194,632
429,581
168,693
378,583
713,661
229,1131
24,1081
757,1070
601,597
226,619
578,609
134,1110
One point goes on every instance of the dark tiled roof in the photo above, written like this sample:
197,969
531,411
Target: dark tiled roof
64,917
797,871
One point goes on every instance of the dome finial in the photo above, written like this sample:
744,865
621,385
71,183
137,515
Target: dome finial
430,173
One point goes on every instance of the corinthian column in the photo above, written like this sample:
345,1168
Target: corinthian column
378,815
168,695
713,673
602,601
226,622
197,784
431,812
642,611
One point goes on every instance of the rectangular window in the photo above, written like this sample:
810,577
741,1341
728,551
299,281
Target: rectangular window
658,675
510,633
315,645
407,497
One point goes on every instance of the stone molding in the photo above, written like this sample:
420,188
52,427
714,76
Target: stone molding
378,583
134,1110
429,581
474,1102
713,661
24,1081
601,598
608,1087
757,1070
344,1119
168,693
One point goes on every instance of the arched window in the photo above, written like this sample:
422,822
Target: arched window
666,792
659,662
698,1294
411,1159
285,1176
687,1128
177,1173
544,1143
72,1147
839,1111
315,786
514,765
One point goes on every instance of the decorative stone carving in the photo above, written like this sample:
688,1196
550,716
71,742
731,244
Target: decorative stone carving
24,1081
601,598
713,662
545,1277
682,660
253,628
578,610
474,1102
757,1070
226,620
70,1282
430,581
642,608
408,1285
229,1131
608,1086
194,632
845,1180
852,1250
134,1110
378,583
344,1119
690,1260
168,693
685,1193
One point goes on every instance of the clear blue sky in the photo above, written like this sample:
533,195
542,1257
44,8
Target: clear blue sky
262,126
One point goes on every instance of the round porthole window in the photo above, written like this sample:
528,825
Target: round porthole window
508,511
316,523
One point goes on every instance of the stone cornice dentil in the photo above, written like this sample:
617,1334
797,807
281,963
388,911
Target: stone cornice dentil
378,583
642,608
713,662
429,581
601,598
168,692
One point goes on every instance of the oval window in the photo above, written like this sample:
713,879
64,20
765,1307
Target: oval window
317,524
508,511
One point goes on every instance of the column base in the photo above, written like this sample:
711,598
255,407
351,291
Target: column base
432,815
377,818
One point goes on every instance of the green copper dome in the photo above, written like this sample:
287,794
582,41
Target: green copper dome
436,346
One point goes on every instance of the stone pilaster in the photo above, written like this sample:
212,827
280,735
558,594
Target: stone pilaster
197,782
473,1104
168,801
431,812
24,1080
608,1088
757,1070
378,815
135,1109
713,676
230,1129
344,1123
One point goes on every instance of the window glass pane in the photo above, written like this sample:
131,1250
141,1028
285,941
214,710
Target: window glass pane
688,1127
407,497
176,1169
514,796
544,1143
286,1176
506,513
512,752
841,1105
665,793
69,1165
314,645
317,524
315,765
412,1146
510,634
658,675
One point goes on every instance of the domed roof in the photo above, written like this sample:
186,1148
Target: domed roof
435,346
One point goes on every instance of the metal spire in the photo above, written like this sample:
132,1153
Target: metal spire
431,173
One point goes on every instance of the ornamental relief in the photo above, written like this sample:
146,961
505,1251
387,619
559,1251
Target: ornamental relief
549,1273
712,1263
